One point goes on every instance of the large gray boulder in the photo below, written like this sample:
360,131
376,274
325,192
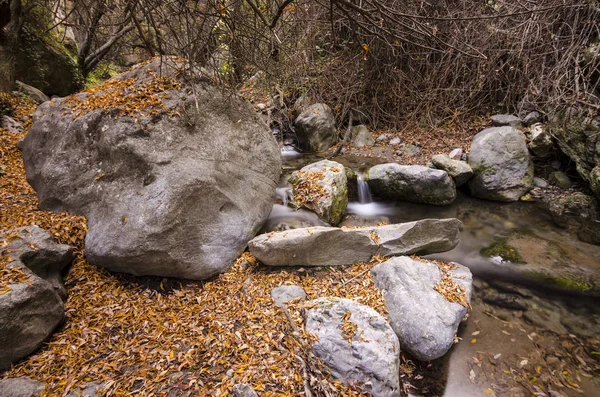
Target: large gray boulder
501,163
329,246
357,344
414,183
361,136
169,191
424,320
460,171
315,128
21,387
321,187
31,305
32,92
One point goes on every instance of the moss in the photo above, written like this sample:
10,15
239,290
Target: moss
101,73
500,247
562,282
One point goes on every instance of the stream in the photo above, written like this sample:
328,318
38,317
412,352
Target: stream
524,337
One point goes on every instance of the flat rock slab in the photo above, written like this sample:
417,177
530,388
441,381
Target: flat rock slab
502,120
21,387
329,246
368,358
424,320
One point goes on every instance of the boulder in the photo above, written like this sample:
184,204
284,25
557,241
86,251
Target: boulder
414,183
321,187
285,293
32,92
361,136
502,166
31,306
460,171
357,344
424,320
532,118
21,387
540,142
11,125
329,246
595,180
503,120
167,190
560,179
315,128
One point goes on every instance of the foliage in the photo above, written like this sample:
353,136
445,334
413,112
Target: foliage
6,106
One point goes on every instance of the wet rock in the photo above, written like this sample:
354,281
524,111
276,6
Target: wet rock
21,387
315,128
507,301
579,325
545,319
424,320
31,309
532,118
589,231
456,154
414,183
243,390
540,182
504,120
502,166
395,141
510,288
361,136
321,187
285,293
368,358
163,195
560,179
460,171
32,92
540,142
353,220
328,246
11,125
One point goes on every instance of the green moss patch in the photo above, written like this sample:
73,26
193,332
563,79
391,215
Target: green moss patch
500,247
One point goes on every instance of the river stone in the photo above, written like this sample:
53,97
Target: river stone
501,163
423,319
315,128
595,180
361,136
329,246
164,196
327,187
460,171
502,120
370,359
21,387
395,141
560,179
456,154
243,390
414,183
32,92
285,293
540,182
540,142
532,118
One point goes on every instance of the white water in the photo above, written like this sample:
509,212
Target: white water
364,193
289,152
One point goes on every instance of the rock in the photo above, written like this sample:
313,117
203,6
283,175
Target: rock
589,232
410,150
301,104
414,183
285,293
21,387
395,141
532,118
545,319
539,182
460,171
261,106
361,136
507,301
510,288
328,246
243,390
503,120
163,196
352,220
560,179
315,128
502,166
456,154
30,308
424,320
595,181
89,389
32,92
383,137
577,133
540,143
13,126
368,357
321,187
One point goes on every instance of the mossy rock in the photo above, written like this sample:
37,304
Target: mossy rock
500,248
561,282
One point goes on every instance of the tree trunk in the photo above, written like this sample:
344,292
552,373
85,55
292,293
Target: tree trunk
10,25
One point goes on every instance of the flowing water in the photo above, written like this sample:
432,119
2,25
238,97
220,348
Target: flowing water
505,351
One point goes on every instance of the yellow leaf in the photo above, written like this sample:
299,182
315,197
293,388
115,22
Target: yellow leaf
473,340
488,391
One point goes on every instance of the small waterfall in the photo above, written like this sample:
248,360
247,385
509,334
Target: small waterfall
364,193
283,193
